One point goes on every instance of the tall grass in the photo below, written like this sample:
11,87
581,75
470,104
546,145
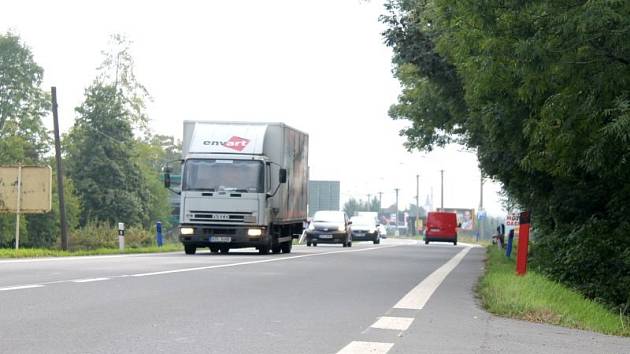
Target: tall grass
535,298
42,252
100,239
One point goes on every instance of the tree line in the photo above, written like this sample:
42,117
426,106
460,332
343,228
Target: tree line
111,157
541,91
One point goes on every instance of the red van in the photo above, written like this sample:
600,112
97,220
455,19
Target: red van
441,226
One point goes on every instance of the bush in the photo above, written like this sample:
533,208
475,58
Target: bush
102,235
593,258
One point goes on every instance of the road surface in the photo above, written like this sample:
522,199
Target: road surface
397,297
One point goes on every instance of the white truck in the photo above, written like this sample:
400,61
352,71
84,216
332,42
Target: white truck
243,184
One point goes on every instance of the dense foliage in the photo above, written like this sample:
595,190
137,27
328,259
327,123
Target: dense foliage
541,90
112,160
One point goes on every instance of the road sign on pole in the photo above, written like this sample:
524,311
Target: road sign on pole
25,190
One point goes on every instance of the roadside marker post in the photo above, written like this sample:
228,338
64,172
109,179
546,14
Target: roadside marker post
158,228
523,241
508,248
121,236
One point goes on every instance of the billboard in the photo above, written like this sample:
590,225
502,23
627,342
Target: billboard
35,189
465,217
323,195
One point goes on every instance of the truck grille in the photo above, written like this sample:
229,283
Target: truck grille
216,231
222,217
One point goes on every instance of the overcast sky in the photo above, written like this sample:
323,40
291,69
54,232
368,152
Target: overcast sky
320,66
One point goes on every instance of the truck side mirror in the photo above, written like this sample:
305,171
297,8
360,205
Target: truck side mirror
167,177
283,175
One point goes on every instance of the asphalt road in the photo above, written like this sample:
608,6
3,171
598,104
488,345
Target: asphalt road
397,297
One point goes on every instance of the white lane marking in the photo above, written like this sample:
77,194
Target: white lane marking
256,262
17,287
20,287
366,347
88,280
418,296
394,323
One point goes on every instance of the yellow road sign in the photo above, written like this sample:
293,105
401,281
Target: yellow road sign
35,189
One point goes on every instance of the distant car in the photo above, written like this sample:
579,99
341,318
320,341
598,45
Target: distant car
441,226
364,229
329,226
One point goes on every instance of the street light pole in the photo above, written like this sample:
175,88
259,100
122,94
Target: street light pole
417,203
442,189
480,219
396,232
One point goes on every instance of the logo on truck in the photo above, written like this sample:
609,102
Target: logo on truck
234,143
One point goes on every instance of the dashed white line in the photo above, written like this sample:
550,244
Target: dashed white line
88,280
418,296
393,323
20,287
366,347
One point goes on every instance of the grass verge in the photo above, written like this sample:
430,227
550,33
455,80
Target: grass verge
535,298
41,252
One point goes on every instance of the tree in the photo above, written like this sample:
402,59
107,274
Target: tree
540,90
116,175
23,138
100,160
351,206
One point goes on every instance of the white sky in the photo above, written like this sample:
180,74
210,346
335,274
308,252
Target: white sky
320,66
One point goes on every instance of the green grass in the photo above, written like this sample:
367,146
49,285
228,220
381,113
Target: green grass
534,297
40,252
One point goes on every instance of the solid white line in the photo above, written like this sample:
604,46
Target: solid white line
366,347
418,296
256,262
21,287
394,323
88,280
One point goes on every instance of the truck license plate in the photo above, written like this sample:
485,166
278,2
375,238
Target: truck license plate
325,236
220,239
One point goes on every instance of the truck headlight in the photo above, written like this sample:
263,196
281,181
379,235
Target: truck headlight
342,227
372,231
186,231
311,227
254,232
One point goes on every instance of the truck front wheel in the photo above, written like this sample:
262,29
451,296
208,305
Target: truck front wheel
287,246
190,249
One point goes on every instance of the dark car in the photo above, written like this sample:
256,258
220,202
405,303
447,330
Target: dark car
365,229
329,226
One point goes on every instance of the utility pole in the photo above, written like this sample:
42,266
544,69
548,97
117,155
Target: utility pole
62,203
442,189
396,189
369,204
417,203
480,220
380,201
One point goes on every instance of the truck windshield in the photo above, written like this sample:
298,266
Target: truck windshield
244,176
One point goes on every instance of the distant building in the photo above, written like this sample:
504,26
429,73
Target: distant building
323,195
